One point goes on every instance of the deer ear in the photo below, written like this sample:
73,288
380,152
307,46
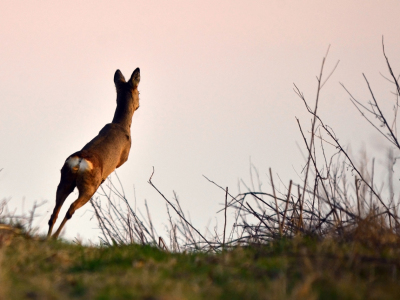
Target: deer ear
118,78
135,78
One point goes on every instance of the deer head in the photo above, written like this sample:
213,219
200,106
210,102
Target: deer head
127,97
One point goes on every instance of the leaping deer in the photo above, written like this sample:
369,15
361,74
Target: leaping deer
88,168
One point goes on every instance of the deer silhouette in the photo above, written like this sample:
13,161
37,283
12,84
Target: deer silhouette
88,168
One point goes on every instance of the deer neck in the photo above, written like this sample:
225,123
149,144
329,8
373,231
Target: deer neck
123,115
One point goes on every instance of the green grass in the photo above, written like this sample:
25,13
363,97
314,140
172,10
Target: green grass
302,268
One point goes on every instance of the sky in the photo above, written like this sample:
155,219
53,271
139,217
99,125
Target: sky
216,92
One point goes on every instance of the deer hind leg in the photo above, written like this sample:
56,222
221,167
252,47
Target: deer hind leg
66,186
87,184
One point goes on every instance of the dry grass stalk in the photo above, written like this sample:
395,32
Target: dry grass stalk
226,206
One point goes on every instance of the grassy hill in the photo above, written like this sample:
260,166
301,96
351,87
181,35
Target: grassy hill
365,267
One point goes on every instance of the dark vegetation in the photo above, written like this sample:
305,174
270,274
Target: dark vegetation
335,235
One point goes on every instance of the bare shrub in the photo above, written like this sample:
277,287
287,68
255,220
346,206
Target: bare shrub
338,196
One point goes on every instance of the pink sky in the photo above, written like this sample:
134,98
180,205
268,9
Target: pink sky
216,90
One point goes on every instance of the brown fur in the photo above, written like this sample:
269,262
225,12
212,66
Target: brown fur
106,152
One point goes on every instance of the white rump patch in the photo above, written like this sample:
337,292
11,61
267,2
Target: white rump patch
73,163
85,165
79,164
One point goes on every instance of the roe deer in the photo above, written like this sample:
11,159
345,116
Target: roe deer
88,168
